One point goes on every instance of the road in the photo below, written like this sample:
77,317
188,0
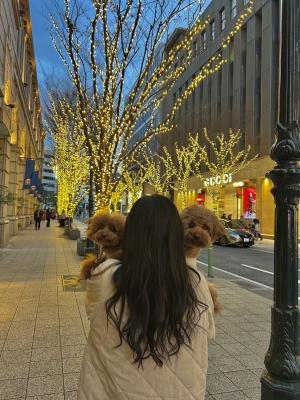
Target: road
251,268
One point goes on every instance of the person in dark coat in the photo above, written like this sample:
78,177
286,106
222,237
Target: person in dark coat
48,217
37,219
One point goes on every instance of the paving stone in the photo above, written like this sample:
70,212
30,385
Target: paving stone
244,379
219,383
45,385
45,368
72,340
72,351
228,364
71,395
71,381
71,365
45,353
16,356
230,396
13,389
57,396
46,341
18,344
13,371
252,361
253,393
236,349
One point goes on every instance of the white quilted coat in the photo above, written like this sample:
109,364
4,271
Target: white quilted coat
107,373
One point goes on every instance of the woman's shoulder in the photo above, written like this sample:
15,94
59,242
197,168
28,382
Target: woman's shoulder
111,264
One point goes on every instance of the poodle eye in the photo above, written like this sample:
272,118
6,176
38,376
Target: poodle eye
205,227
191,224
101,226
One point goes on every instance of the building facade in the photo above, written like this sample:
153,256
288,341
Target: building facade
49,181
21,134
242,95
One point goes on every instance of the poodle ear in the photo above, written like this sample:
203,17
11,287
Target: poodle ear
219,231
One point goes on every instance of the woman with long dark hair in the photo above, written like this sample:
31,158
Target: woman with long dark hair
150,316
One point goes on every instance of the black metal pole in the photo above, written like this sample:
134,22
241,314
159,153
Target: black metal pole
281,379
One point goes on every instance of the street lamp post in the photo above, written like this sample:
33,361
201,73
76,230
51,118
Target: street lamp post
281,379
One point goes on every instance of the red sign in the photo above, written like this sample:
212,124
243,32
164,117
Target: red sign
249,202
201,199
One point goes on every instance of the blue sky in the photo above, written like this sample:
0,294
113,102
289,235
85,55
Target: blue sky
47,60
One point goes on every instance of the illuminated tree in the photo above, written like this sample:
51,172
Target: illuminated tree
180,166
110,50
220,157
70,161
133,183
154,171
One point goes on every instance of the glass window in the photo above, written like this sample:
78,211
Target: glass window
204,37
233,8
222,19
245,2
213,30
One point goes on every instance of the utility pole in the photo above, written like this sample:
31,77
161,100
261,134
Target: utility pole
281,379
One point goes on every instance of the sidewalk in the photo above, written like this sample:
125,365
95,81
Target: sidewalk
43,329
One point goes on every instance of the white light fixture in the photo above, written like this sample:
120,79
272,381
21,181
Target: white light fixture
238,184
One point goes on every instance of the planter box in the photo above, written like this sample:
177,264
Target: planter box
81,245
67,230
74,234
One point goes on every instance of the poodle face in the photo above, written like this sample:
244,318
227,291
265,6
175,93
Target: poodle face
201,227
106,230
195,235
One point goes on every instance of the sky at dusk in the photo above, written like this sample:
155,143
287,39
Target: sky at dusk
47,60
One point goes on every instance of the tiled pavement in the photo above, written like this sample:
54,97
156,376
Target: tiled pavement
43,329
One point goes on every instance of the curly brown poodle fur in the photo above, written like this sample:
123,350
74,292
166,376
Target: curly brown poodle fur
201,229
107,231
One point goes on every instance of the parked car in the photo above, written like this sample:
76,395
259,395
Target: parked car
237,235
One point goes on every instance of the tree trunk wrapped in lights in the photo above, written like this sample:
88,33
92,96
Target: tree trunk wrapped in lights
70,160
155,173
110,50
181,167
220,158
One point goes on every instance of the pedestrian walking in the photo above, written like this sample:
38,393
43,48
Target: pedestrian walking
257,228
159,314
48,217
223,216
229,219
37,219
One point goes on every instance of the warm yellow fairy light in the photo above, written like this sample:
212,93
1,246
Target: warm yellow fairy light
222,159
70,160
106,121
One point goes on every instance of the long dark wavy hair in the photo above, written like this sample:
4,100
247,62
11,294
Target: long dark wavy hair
155,307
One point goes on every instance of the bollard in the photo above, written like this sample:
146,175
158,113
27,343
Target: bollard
210,273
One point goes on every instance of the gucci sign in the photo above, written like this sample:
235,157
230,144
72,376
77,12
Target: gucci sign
218,180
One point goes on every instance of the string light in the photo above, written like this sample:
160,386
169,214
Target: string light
222,158
70,161
105,119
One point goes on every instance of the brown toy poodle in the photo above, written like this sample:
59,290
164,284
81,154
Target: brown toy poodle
201,229
107,231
